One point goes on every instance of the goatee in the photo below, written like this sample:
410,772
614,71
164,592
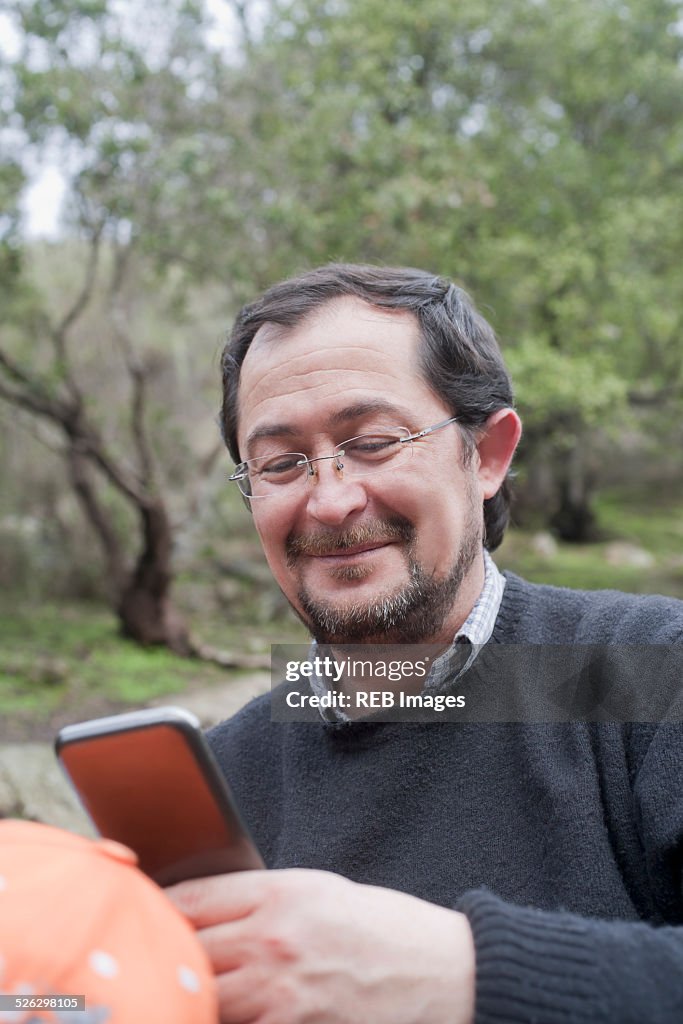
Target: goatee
413,613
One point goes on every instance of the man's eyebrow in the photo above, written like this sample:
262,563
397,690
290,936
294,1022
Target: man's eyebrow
367,408
270,430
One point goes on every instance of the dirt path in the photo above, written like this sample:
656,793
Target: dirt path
31,782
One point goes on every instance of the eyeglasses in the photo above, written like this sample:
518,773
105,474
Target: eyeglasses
365,455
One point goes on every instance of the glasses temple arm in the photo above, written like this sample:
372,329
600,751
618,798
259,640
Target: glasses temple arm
429,430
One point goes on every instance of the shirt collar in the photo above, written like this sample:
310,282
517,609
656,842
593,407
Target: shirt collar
478,626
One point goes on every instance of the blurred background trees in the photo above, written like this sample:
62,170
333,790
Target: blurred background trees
532,150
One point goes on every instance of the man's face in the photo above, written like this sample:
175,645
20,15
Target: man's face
394,555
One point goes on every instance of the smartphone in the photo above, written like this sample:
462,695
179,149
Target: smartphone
149,779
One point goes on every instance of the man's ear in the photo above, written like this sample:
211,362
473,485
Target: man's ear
496,446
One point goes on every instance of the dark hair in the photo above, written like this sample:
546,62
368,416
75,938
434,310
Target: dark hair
460,358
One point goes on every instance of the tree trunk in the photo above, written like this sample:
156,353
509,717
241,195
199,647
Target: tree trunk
574,519
535,490
141,598
145,609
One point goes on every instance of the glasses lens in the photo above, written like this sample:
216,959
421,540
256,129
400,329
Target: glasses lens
270,474
373,453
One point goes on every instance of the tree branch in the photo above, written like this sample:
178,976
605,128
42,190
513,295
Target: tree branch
90,444
17,373
98,518
31,427
83,298
201,493
59,333
240,8
80,434
230,659
32,397
136,370
652,399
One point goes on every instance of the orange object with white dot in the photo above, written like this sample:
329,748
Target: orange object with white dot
78,918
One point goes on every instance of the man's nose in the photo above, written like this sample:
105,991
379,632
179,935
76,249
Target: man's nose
333,495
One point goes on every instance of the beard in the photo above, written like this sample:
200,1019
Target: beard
412,613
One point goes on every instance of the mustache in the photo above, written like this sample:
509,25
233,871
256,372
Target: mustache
330,542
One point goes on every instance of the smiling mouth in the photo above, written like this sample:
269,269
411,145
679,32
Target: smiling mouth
352,544
347,554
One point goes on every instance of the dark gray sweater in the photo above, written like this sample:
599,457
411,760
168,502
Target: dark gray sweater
563,843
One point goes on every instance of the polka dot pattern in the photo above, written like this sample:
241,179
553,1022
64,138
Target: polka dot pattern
77,916
103,964
188,979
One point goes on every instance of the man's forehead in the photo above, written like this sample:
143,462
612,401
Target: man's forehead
348,353
358,316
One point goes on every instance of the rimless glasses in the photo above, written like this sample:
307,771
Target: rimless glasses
275,475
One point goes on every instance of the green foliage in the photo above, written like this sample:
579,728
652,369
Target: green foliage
513,147
530,150
556,386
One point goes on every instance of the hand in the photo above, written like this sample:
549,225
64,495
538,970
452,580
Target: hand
310,947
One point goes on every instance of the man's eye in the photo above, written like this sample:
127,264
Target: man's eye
372,447
281,466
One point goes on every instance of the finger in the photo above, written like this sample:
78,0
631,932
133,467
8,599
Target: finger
229,947
240,999
221,898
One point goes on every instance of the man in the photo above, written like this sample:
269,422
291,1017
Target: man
444,872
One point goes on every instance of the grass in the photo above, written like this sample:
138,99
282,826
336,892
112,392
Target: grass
585,566
655,524
652,522
54,653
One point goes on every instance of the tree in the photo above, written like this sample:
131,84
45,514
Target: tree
80,83
515,148
510,146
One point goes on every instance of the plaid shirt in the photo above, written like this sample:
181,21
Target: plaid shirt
475,631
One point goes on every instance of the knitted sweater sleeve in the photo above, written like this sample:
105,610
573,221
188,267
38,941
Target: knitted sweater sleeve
552,966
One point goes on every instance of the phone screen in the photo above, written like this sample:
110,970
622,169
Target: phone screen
148,787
